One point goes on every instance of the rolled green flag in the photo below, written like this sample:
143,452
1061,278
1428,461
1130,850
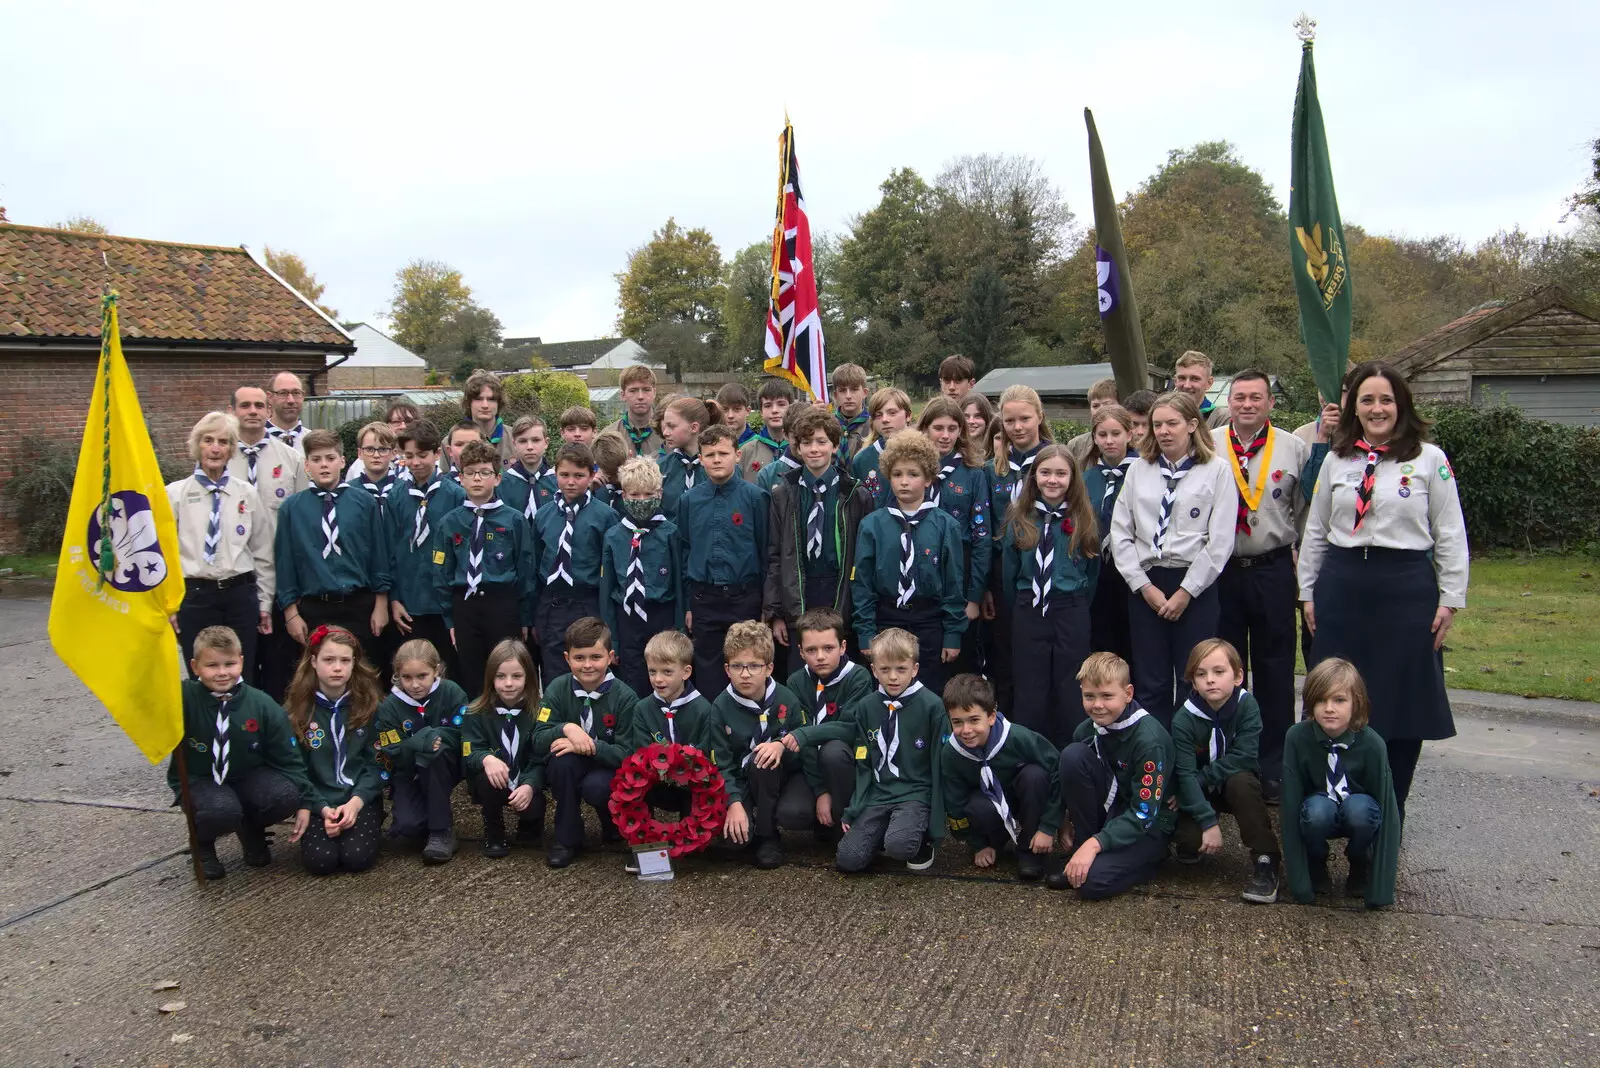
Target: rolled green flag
1119,313
1316,240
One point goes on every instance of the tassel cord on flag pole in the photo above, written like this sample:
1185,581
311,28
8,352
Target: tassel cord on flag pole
108,557
187,802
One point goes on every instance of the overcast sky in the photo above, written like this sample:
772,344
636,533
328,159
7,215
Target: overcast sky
532,150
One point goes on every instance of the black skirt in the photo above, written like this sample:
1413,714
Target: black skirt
1375,609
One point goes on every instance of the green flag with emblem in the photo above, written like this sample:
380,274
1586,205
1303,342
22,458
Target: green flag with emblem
1316,236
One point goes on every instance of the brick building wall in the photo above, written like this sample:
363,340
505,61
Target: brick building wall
47,398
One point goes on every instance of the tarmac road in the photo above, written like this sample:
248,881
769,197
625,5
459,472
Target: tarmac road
1489,957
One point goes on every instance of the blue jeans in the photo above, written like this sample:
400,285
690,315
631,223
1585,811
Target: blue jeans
1357,818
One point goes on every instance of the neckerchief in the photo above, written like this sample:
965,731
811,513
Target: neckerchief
1338,787
520,470
826,710
947,467
475,546
818,488
1207,406
669,709
498,433
290,437
510,733
422,705
1133,714
569,516
888,735
765,720
1173,473
787,461
335,710
420,530
379,489
586,714
987,782
252,454
214,525
1044,553
1022,461
770,442
1114,477
908,550
745,435
848,427
1250,496
633,590
636,437
690,465
219,744
1368,476
330,520
1218,745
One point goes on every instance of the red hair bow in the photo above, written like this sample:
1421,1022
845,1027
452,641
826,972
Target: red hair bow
317,636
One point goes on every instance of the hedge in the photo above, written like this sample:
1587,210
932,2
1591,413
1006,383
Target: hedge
39,491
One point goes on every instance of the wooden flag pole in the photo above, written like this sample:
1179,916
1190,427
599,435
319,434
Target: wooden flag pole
187,801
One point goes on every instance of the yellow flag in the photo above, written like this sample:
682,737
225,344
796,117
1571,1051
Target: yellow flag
119,577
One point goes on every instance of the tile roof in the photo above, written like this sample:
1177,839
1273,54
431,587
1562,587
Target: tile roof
1434,337
50,289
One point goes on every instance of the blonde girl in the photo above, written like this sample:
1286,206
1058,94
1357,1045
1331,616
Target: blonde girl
419,749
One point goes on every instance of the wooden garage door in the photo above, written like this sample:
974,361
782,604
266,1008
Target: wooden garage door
1557,398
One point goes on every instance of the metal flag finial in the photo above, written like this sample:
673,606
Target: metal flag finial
1305,28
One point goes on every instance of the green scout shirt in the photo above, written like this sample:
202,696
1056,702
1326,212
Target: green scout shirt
865,469
963,491
1002,491
257,735
507,557
963,778
517,484
1199,777
787,461
340,760
362,559
737,728
1366,770
825,712
724,531
588,534
608,715
412,564
407,731
676,466
660,559
1069,572
692,716
1141,761
922,725
510,738
875,578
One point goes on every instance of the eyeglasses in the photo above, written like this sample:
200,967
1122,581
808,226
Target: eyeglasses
289,393
477,473
376,450
744,669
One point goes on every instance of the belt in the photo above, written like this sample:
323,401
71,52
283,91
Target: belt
220,584
1263,559
335,598
730,590
1378,552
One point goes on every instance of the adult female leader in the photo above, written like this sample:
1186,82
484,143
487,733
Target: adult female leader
224,543
1383,563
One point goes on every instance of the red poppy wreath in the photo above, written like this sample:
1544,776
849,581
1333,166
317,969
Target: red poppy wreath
677,765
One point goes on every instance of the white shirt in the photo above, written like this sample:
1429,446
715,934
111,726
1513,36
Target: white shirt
1415,505
280,472
1275,522
247,527
1199,534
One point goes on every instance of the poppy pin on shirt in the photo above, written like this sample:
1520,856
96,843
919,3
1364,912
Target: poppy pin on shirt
277,472
1277,476
738,519
251,725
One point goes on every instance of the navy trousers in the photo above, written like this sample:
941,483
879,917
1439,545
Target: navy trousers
1161,649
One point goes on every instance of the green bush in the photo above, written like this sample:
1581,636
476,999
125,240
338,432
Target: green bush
558,391
39,491
1524,483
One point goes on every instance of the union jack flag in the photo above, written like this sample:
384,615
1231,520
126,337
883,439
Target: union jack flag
794,325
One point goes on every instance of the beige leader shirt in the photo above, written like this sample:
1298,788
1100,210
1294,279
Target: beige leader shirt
247,528
1199,535
280,471
1415,505
1275,477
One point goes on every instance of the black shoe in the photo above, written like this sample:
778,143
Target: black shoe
1030,869
1185,856
440,848
1272,791
1057,880
254,841
1360,877
209,863
1320,882
769,854
1262,889
924,858
560,856
494,837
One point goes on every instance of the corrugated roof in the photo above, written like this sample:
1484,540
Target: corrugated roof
565,355
374,348
50,283
1068,379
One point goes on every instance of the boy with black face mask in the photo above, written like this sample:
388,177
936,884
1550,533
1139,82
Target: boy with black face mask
641,571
